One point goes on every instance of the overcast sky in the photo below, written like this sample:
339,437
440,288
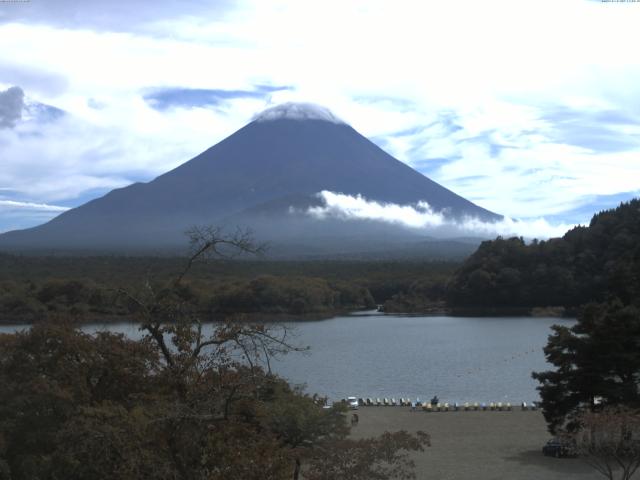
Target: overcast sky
530,108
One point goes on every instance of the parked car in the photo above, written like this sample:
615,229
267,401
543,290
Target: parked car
560,447
352,402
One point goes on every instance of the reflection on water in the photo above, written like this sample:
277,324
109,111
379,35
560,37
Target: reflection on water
377,355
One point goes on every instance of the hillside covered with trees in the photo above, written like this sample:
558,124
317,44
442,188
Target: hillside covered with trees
588,264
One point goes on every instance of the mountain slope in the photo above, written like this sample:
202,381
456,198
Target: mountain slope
257,169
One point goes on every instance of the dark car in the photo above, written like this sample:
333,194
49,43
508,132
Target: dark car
558,447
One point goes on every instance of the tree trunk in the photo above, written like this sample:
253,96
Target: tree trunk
296,471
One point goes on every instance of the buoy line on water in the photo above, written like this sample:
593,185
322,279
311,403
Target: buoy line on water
494,365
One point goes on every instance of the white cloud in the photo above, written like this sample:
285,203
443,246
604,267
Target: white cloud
63,159
43,207
357,207
17,214
423,217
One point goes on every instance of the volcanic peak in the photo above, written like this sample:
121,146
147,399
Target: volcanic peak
297,111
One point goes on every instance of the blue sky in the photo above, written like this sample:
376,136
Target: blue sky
530,109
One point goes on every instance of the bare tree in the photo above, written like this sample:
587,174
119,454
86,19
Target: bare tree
210,369
609,441
172,321
211,373
209,241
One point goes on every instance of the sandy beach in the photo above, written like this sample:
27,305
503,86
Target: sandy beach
477,445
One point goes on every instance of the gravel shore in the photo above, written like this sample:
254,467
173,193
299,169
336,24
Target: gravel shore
476,445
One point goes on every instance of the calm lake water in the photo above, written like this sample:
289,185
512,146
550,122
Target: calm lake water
381,355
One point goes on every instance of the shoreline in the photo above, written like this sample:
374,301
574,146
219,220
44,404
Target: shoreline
270,317
254,317
547,311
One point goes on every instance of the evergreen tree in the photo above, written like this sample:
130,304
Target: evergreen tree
597,364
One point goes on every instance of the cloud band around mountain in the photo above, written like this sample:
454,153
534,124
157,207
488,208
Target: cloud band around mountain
422,216
43,207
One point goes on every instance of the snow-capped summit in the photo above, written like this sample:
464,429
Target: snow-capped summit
297,111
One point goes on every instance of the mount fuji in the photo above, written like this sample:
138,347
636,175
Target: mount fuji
268,177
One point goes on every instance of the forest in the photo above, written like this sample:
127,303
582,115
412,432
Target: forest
511,276
36,288
594,263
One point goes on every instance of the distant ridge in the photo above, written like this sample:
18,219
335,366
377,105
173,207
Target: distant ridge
263,176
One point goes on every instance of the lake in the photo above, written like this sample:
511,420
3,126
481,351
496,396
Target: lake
371,354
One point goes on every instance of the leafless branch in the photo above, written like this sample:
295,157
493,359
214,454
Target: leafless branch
209,241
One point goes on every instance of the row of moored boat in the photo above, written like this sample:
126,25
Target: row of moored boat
444,406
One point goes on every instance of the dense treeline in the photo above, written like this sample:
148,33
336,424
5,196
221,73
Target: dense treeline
292,295
588,264
36,288
425,295
32,302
